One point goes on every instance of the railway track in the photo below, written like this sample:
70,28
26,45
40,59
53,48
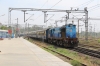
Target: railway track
88,46
87,51
56,52
79,49
83,49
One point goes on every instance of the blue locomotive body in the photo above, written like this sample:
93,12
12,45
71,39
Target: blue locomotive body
57,32
63,36
70,31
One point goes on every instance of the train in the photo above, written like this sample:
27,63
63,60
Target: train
61,36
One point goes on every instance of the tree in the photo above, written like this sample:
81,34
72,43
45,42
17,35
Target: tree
4,27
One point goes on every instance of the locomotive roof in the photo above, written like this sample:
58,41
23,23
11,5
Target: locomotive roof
39,30
67,25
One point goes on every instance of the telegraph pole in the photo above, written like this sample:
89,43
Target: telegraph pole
78,28
56,23
66,20
24,16
9,22
17,29
67,17
24,19
24,22
45,17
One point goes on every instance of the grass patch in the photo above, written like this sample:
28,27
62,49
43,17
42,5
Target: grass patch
64,51
75,63
99,41
49,51
76,56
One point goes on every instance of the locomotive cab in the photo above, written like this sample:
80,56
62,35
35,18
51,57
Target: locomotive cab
68,33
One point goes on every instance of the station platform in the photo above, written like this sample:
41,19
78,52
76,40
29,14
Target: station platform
20,52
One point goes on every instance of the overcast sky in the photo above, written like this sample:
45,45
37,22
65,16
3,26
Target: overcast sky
93,8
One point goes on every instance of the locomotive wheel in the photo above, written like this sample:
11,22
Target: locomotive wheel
65,45
51,41
58,43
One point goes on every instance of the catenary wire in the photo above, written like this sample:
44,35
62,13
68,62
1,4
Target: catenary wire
49,8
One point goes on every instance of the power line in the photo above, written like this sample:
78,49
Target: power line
49,8
86,3
93,7
50,18
38,16
41,7
56,4
44,4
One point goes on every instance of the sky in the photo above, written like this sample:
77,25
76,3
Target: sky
38,17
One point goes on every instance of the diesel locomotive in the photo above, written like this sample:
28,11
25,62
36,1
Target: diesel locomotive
62,36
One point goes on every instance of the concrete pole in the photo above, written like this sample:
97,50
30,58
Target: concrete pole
45,18
86,24
67,17
66,20
24,22
24,16
9,21
17,29
78,28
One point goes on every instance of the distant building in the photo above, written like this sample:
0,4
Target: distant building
3,33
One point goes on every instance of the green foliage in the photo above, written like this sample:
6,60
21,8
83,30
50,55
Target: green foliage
86,57
3,28
99,41
75,63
